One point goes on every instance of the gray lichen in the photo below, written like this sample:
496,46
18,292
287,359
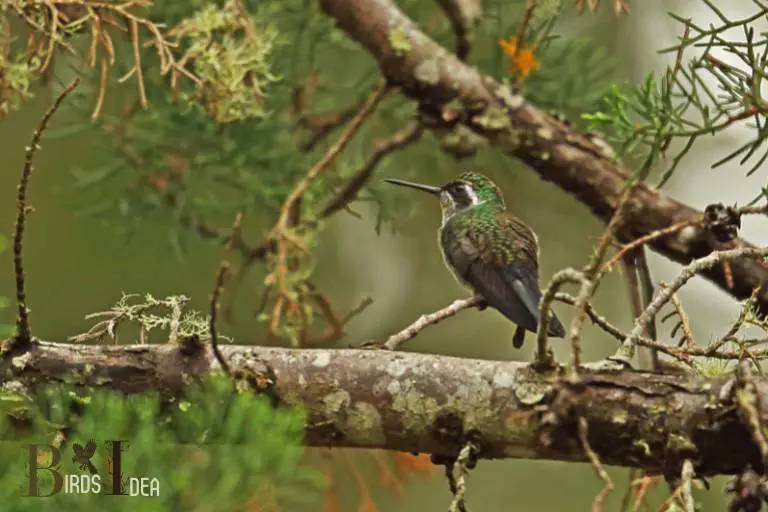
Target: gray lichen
428,72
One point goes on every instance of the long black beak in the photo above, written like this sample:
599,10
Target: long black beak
418,186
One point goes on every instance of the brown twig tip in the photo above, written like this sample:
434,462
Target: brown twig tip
218,287
23,334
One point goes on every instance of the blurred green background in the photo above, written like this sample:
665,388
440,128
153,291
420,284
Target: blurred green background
78,264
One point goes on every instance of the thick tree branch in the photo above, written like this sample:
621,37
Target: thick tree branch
454,94
427,403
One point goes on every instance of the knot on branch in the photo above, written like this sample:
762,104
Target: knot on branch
257,376
723,222
559,422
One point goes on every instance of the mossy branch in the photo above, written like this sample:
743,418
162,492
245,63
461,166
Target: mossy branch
427,403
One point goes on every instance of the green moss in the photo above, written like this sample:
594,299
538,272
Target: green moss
398,40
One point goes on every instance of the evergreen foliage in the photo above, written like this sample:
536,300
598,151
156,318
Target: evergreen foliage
211,449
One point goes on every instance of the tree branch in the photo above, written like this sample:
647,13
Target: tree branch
450,91
435,404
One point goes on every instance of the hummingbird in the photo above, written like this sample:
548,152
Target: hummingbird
490,251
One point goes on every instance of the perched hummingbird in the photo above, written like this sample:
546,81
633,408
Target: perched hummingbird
490,250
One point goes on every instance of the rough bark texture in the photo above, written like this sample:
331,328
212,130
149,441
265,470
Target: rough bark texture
428,403
455,95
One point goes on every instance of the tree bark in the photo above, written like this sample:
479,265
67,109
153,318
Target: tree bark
452,93
434,404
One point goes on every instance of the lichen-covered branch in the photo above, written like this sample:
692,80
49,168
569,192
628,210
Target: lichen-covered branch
436,404
454,95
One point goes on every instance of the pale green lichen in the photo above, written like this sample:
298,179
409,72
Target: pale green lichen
14,386
412,405
531,393
512,101
365,421
462,142
680,443
642,446
398,40
478,398
20,362
545,133
336,401
493,118
620,418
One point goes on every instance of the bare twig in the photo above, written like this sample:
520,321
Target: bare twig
23,334
596,318
593,273
686,486
644,273
410,332
627,349
650,237
597,504
333,152
683,325
348,192
748,401
641,293
462,14
281,234
460,472
218,288
569,275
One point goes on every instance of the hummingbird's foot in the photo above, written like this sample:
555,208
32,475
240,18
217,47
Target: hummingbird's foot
482,304
519,338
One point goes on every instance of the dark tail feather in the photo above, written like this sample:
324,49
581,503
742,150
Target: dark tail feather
519,337
555,329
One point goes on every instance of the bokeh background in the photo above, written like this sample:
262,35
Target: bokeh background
78,264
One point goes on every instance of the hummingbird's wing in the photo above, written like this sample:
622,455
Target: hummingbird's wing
501,264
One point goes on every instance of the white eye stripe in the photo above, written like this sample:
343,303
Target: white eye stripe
471,194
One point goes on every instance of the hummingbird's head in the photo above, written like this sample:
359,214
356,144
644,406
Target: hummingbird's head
470,189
